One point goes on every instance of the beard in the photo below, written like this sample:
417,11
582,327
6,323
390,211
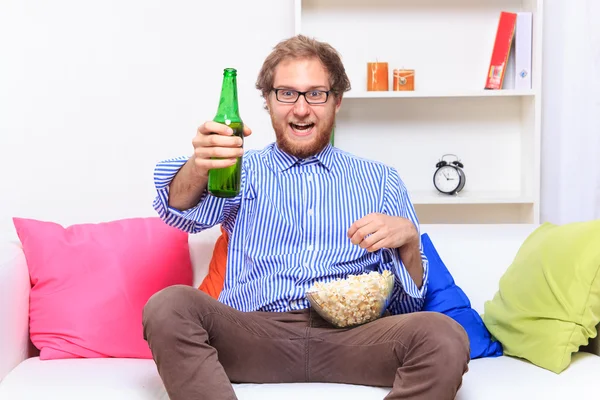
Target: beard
303,148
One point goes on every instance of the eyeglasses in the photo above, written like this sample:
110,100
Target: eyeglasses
290,96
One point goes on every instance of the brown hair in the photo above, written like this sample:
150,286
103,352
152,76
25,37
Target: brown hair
301,46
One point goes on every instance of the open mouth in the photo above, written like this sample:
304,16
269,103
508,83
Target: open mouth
302,129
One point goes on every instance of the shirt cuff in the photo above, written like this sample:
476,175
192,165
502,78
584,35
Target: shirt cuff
165,171
408,284
192,220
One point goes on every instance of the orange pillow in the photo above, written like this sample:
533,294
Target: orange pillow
213,282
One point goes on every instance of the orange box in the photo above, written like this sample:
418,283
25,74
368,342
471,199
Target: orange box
377,77
404,79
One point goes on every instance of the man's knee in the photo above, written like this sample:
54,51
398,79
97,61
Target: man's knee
444,335
438,334
168,303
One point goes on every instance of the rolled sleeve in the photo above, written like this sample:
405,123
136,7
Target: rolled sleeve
208,212
407,297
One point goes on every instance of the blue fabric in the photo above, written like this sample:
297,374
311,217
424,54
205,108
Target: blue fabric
444,296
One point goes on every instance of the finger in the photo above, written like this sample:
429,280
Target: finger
247,130
219,152
210,127
208,164
202,140
359,224
376,241
362,232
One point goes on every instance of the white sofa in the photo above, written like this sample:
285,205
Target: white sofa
477,256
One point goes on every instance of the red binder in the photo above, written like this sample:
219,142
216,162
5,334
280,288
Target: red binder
504,38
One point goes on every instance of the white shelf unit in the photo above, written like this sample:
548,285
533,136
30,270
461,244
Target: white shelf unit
495,133
356,94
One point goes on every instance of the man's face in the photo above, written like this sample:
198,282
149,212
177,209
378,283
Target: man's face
302,129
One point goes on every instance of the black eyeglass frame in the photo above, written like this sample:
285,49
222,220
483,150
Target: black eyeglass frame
276,90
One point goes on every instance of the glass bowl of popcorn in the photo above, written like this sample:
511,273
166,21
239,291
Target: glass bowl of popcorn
353,301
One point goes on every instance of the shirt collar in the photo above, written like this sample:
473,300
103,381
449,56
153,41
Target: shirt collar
283,161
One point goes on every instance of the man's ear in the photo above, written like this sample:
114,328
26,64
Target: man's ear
267,103
338,103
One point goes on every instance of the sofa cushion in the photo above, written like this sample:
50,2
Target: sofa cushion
90,283
507,377
497,378
129,379
548,302
444,296
212,284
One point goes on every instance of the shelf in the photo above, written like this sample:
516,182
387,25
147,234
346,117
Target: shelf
433,94
433,197
495,133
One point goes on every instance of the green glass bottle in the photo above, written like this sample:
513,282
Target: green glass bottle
225,182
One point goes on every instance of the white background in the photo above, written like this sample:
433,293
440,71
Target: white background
94,93
571,111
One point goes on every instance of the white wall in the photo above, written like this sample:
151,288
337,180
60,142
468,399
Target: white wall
93,93
571,112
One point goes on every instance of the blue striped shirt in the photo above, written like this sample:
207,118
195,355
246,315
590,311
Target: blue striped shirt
288,226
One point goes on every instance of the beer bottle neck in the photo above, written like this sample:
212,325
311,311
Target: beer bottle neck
228,103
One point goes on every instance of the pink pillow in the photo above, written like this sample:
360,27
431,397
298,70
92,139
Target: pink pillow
90,283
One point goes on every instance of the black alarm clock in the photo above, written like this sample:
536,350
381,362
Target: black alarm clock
449,177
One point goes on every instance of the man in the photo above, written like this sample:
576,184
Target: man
307,212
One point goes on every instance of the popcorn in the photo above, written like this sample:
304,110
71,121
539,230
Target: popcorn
356,300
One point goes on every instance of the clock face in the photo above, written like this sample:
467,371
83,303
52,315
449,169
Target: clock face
446,179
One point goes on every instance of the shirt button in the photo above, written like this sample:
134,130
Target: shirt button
310,212
305,265
309,177
310,247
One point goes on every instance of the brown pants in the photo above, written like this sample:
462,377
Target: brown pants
200,346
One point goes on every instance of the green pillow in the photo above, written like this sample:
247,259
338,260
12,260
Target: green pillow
548,302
